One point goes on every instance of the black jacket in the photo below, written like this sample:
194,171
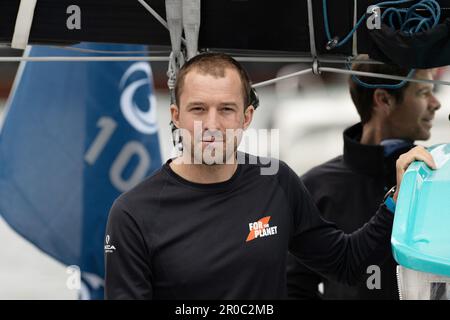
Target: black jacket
347,190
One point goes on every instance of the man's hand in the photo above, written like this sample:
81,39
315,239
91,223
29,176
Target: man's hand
418,153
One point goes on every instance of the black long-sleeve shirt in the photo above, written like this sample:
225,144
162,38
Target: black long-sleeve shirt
169,238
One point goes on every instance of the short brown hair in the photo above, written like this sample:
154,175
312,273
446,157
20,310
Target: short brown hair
214,64
363,97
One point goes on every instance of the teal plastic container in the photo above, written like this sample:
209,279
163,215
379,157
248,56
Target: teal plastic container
421,231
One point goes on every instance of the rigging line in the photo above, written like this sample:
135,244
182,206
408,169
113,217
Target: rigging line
157,16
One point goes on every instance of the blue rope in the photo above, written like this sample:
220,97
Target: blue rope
384,85
406,20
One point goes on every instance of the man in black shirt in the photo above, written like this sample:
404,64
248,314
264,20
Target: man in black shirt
348,189
206,226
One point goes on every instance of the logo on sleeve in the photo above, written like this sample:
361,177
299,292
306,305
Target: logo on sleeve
261,228
109,248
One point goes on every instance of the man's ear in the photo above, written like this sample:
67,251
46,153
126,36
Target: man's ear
248,116
175,115
383,102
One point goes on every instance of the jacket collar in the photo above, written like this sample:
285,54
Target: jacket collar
366,159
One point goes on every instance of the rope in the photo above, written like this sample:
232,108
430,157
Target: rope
24,21
312,39
406,20
180,15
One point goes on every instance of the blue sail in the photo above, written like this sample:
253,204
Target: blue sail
75,136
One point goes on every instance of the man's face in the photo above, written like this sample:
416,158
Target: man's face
412,118
212,106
